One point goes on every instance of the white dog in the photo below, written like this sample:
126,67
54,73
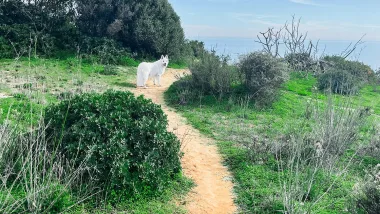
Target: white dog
153,70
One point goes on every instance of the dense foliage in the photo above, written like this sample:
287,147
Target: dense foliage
122,138
344,76
339,82
149,28
263,76
211,74
43,26
258,77
300,61
359,70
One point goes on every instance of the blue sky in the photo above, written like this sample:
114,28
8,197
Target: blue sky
322,19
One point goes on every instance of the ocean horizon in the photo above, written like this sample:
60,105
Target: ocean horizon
368,52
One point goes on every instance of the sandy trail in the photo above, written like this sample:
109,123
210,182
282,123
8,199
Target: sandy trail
201,161
2,96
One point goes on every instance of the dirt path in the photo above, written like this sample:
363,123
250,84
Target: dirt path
2,96
201,161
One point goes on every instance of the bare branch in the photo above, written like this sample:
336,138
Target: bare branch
270,40
349,50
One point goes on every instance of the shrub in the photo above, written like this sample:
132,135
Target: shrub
315,153
339,82
107,51
263,76
109,70
181,91
123,138
372,149
197,48
212,75
359,70
299,61
367,199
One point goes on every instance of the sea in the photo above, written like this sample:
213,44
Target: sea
367,52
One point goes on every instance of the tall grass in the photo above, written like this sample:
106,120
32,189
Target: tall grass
34,177
316,154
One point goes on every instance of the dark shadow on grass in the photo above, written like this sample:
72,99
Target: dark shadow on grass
125,84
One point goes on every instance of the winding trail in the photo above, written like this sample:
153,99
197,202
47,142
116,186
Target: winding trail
201,161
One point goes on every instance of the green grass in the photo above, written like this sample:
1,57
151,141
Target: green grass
20,111
42,81
169,201
177,65
234,124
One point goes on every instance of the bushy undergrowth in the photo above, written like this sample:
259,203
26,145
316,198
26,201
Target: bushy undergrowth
35,179
109,70
263,76
123,138
300,61
367,194
257,76
149,28
339,82
359,70
344,76
212,75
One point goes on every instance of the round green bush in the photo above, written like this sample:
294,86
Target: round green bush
122,139
339,82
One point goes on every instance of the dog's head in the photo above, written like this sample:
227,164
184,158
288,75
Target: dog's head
165,60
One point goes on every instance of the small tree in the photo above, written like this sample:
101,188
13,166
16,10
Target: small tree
212,74
263,76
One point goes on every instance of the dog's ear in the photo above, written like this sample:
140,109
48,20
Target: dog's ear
166,57
162,56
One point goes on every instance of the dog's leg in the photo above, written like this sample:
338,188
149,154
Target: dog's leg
159,80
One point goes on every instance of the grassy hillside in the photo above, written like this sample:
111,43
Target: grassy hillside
245,133
33,85
38,82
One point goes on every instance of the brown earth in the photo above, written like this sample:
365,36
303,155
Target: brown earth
2,96
201,161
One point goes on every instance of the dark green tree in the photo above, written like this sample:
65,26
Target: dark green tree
148,27
39,26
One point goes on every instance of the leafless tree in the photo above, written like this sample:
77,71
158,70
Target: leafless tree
294,40
306,53
271,41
